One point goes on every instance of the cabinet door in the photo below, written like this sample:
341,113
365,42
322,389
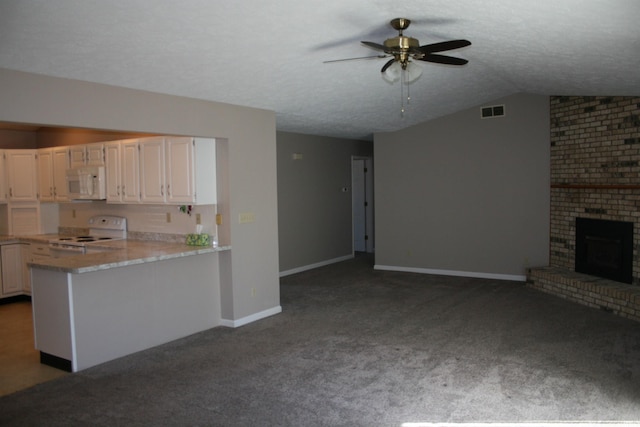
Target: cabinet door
12,277
3,177
114,175
25,254
45,175
204,156
77,155
60,166
130,168
95,154
152,174
23,175
180,170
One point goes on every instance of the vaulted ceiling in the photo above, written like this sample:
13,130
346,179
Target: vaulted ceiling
270,53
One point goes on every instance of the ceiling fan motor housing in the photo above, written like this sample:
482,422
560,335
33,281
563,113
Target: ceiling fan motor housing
401,47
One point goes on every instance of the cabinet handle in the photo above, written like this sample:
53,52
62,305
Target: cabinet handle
168,190
10,192
52,191
162,190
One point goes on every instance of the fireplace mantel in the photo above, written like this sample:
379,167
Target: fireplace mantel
598,186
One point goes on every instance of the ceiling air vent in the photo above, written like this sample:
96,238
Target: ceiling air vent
491,112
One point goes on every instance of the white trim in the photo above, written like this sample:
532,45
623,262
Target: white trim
316,265
511,277
251,318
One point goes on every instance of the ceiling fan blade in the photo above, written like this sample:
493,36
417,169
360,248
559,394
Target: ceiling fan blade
442,46
376,46
387,65
442,59
356,58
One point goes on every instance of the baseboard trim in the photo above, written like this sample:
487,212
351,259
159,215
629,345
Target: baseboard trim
316,265
252,318
509,277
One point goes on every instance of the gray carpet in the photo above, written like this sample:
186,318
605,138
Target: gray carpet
358,347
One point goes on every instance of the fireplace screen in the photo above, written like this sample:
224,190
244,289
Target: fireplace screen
604,248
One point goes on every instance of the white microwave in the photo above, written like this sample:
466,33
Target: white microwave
87,183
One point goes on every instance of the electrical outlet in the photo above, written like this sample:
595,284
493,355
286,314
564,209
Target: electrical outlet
218,219
168,217
198,220
73,213
253,292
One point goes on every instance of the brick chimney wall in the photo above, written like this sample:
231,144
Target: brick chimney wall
595,169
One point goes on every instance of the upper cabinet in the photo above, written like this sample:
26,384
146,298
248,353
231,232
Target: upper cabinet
155,170
4,188
22,175
87,155
122,169
52,169
153,187
178,170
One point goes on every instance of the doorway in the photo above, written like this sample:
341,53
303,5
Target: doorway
362,204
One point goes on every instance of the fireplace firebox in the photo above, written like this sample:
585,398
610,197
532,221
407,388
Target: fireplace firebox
604,248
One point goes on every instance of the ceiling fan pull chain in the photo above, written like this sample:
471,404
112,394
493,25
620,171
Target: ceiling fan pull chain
401,94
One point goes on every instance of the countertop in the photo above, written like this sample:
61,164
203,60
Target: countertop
117,253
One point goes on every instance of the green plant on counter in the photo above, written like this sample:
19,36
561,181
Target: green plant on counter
186,209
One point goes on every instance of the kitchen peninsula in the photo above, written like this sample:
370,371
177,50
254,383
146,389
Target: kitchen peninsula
92,308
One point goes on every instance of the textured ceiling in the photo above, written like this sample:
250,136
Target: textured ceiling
269,53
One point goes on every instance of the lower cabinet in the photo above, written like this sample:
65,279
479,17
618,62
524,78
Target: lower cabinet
15,273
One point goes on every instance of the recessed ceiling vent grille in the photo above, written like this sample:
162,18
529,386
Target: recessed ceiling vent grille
492,112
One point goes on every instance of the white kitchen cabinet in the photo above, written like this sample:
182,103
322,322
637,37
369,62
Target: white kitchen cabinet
4,188
52,169
12,269
112,166
77,155
178,170
60,166
87,155
122,170
22,175
45,175
152,170
95,154
25,255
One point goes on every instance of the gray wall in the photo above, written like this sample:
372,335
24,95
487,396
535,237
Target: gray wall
314,215
250,285
463,195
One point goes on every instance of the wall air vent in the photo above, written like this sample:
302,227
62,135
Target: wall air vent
491,112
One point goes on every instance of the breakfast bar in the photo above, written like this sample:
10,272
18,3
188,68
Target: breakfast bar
134,295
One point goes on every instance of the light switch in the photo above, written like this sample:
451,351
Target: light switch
246,217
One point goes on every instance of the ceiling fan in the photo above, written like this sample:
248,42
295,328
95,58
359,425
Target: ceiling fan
403,49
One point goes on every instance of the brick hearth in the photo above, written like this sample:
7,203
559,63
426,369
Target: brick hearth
595,173
614,297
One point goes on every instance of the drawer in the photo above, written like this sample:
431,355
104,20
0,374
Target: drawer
40,249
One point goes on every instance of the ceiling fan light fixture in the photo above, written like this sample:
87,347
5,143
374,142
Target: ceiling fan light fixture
393,73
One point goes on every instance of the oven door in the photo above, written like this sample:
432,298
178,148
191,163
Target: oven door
60,250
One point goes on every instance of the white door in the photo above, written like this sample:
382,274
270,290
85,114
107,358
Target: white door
362,200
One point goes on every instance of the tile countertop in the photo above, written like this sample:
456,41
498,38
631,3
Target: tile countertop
116,253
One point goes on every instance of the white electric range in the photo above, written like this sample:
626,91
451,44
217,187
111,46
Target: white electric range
102,228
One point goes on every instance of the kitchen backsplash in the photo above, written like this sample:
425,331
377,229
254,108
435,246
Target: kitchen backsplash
142,220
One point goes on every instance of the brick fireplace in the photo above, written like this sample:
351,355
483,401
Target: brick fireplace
595,174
